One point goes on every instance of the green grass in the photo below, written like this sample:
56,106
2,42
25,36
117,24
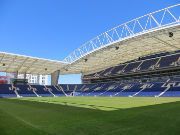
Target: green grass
90,116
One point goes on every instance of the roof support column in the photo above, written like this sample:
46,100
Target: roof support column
16,75
38,79
24,76
55,77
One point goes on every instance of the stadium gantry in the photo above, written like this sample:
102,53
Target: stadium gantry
138,58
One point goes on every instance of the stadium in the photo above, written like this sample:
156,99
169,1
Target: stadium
131,84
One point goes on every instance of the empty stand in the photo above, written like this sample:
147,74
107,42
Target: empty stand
169,61
118,69
146,64
131,89
153,79
6,91
25,91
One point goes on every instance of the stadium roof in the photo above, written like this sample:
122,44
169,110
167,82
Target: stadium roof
141,36
25,64
152,33
129,49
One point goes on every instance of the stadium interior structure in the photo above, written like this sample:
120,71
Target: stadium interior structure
138,58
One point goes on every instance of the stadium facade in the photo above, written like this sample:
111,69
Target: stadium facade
138,58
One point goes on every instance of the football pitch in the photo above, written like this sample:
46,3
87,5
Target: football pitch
90,116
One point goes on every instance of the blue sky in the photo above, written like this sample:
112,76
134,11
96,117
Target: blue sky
54,28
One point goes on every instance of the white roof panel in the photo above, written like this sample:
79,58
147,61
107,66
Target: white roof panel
25,64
